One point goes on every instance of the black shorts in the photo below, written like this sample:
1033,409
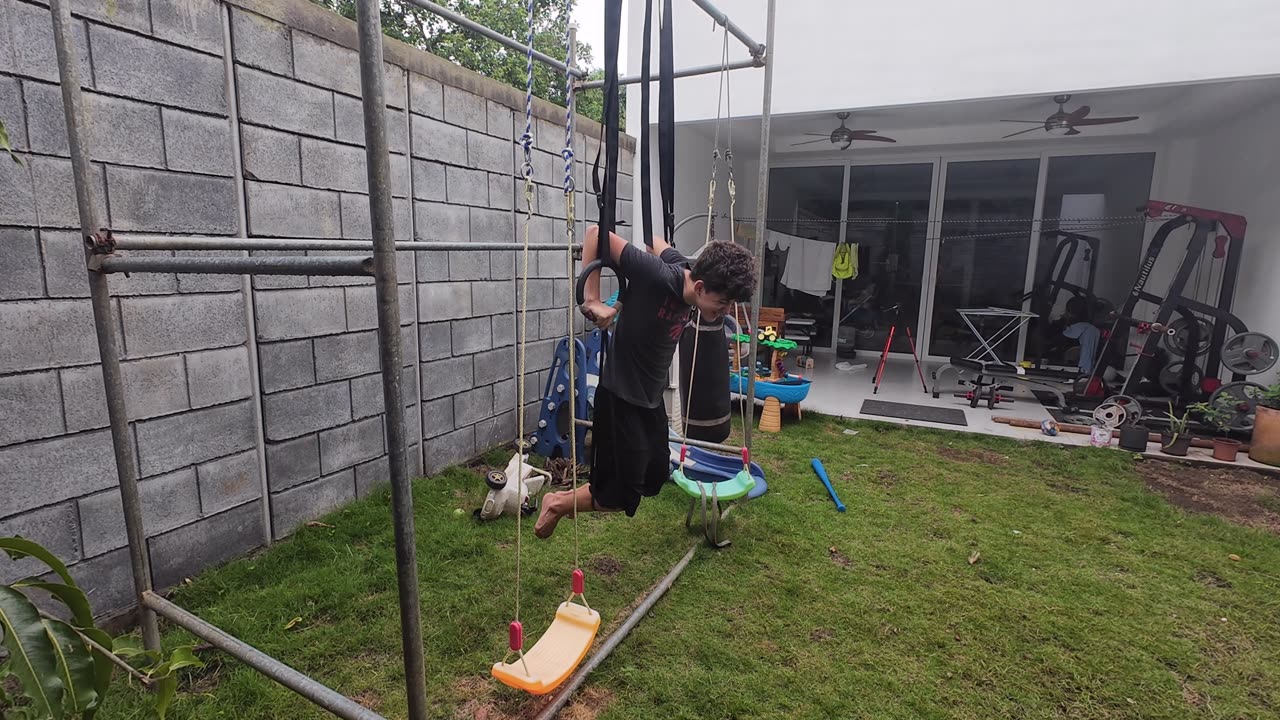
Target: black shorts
631,452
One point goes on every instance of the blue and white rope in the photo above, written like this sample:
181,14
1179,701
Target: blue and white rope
570,101
526,140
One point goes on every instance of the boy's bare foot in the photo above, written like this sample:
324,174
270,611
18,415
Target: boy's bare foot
553,507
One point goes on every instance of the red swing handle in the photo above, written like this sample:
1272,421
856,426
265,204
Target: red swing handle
746,459
684,449
579,582
515,636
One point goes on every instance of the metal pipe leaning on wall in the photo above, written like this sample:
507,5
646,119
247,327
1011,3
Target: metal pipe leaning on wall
332,266
167,242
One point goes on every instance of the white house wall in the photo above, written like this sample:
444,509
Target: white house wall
849,55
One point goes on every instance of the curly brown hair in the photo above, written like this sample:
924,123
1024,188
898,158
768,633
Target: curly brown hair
726,268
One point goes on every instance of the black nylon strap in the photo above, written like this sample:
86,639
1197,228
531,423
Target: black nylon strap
646,195
667,124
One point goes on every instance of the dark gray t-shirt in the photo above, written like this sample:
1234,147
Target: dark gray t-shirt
648,329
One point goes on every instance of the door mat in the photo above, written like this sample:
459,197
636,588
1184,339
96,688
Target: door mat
907,411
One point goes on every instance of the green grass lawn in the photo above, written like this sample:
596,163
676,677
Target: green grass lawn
1088,596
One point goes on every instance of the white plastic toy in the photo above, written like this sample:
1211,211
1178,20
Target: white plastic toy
504,496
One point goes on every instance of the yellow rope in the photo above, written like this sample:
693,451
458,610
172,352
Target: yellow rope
524,316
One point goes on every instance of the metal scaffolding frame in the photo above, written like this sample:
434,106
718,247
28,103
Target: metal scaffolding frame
101,261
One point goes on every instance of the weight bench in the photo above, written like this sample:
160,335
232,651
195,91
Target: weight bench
990,378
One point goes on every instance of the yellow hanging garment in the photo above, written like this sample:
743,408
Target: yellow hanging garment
844,265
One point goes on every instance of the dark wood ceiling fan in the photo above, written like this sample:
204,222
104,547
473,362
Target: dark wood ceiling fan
845,135
1065,123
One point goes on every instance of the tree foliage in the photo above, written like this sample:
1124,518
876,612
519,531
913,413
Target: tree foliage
473,51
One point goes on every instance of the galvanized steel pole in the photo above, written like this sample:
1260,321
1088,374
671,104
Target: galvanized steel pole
286,265
476,27
103,317
762,212
167,242
369,26
687,72
755,48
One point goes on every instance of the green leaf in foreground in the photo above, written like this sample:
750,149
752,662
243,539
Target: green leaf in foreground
19,548
75,667
32,657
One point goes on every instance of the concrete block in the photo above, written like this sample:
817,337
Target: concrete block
168,501
286,365
117,130
395,91
366,396
504,395
409,337
17,194
137,67
12,115
501,120
67,467
434,140
138,283
218,376
471,335
155,201
349,124
473,406
110,578
467,187
53,527
20,258
490,153
293,462
495,431
446,377
205,544
503,191
502,265
155,386
281,103
30,406
194,23
356,224
540,354
426,96
345,356
551,201
444,301
29,39
540,294
333,166
197,143
437,417
494,226
432,266
504,330
348,445
551,264
548,170
270,155
553,323
464,108
209,282
292,508
548,137
362,308
428,180
372,475
282,211
261,42
292,413
54,191
155,325
440,222
53,333
494,365
498,298
468,265
435,341
326,64
448,449
229,482
534,384
176,441
400,180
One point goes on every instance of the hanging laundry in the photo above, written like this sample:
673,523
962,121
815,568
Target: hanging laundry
775,240
808,267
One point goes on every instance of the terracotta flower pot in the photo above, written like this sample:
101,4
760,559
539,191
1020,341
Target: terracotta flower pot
1265,446
1225,449
1175,446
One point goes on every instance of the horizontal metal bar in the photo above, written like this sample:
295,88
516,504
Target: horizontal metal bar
756,49
676,438
579,676
492,34
323,696
687,72
287,265
166,242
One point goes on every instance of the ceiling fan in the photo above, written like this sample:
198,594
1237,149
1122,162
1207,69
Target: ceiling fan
845,135
1065,123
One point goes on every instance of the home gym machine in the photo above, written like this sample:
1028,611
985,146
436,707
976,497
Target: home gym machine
1199,328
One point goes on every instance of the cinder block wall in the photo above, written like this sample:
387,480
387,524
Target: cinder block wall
228,464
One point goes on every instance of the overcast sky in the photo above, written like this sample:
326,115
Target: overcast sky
589,14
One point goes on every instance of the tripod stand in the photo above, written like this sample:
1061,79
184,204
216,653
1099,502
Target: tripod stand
884,354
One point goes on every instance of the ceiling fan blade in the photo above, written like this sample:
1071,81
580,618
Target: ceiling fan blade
1105,121
864,132
810,142
877,138
1021,132
846,145
1078,114
1033,122
825,135
1072,131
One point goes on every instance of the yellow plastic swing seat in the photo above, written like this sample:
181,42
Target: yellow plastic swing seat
556,654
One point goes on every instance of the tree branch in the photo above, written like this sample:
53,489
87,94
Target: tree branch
116,660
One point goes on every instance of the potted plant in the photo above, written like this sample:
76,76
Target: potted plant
1176,441
1218,415
1265,445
